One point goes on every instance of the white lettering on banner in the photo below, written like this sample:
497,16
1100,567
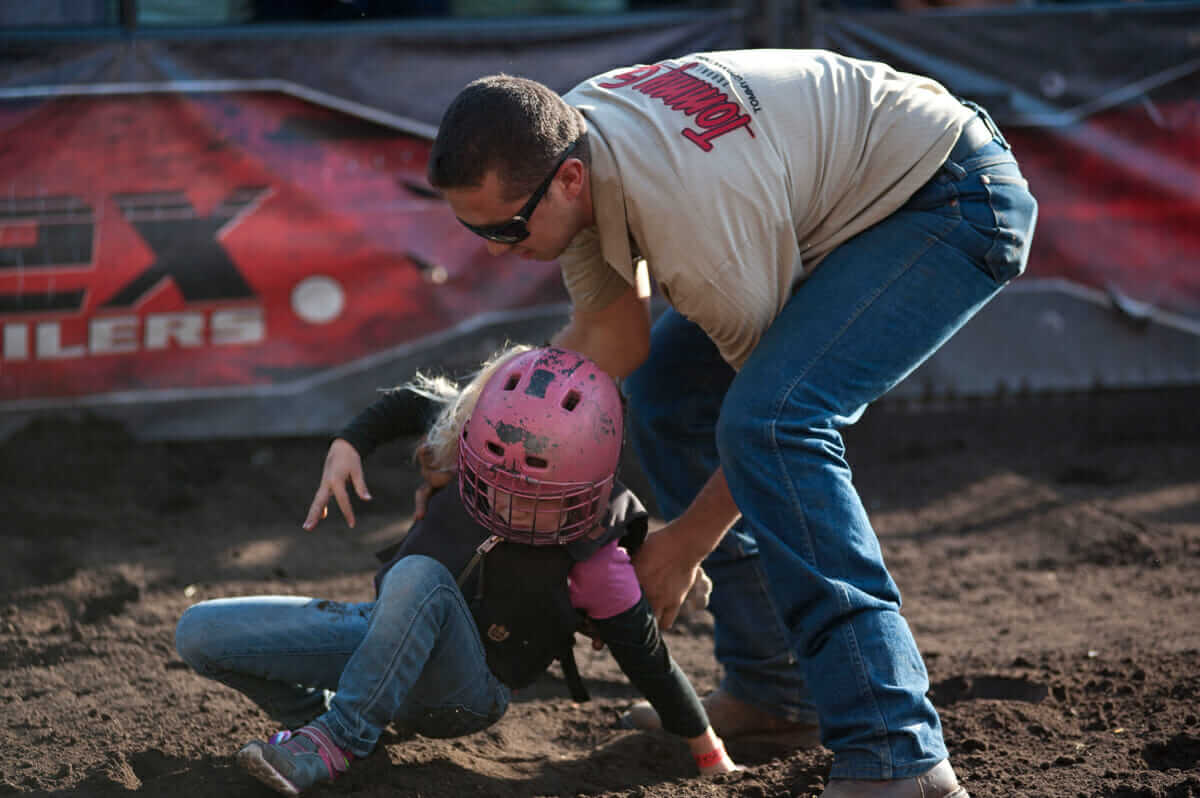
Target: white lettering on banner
49,343
16,342
241,326
113,335
185,329
125,334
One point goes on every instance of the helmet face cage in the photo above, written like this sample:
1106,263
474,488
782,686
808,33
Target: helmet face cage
538,455
546,513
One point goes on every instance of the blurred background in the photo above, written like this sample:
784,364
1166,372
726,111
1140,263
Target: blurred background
215,223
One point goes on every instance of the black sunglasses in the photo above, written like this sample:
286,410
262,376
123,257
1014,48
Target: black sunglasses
516,229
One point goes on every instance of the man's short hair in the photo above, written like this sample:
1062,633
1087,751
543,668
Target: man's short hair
516,126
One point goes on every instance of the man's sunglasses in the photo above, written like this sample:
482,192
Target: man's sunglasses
516,229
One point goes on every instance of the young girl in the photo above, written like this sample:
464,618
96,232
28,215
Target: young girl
535,438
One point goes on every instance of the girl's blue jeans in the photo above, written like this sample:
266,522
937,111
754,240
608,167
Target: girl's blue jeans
412,657
807,618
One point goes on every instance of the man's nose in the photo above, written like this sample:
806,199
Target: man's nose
496,248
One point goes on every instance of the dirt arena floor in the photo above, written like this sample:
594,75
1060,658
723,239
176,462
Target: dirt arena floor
1048,551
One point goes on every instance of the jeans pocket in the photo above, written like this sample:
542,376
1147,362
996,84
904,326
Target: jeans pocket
1014,216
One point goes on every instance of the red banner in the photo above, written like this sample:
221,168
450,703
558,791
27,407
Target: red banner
1118,199
168,240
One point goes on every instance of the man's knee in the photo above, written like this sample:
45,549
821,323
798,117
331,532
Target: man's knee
753,415
740,427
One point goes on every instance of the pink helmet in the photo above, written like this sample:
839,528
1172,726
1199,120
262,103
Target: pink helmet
536,458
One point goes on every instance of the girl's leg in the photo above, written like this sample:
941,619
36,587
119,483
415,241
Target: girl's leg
420,664
286,653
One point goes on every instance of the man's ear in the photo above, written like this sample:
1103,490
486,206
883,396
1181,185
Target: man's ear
574,174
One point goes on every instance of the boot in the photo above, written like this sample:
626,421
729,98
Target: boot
731,717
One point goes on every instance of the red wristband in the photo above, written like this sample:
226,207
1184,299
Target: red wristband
713,757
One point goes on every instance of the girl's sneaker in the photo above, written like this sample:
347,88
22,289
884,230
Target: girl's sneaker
291,762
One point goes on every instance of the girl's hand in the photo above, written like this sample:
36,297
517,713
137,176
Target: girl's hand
435,479
342,464
709,752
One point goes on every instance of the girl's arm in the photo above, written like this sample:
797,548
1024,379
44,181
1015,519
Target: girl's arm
394,414
632,637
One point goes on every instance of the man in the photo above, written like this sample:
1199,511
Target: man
819,225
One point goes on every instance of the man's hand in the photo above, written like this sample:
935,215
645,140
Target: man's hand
697,597
435,479
342,464
668,562
666,570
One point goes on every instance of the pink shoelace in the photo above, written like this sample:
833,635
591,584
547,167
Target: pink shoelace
337,760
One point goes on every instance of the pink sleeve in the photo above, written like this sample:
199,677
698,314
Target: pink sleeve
604,584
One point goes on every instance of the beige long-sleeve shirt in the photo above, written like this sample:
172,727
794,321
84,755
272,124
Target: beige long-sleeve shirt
734,173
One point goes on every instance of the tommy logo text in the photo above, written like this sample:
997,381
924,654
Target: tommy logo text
712,110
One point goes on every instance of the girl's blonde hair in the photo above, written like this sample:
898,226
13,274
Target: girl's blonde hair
440,443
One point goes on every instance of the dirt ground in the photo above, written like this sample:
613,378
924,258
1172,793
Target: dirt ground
1048,551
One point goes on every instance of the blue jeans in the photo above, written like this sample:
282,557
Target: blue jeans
807,618
413,658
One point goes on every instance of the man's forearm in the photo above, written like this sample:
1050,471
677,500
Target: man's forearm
709,516
610,352
574,337
617,336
